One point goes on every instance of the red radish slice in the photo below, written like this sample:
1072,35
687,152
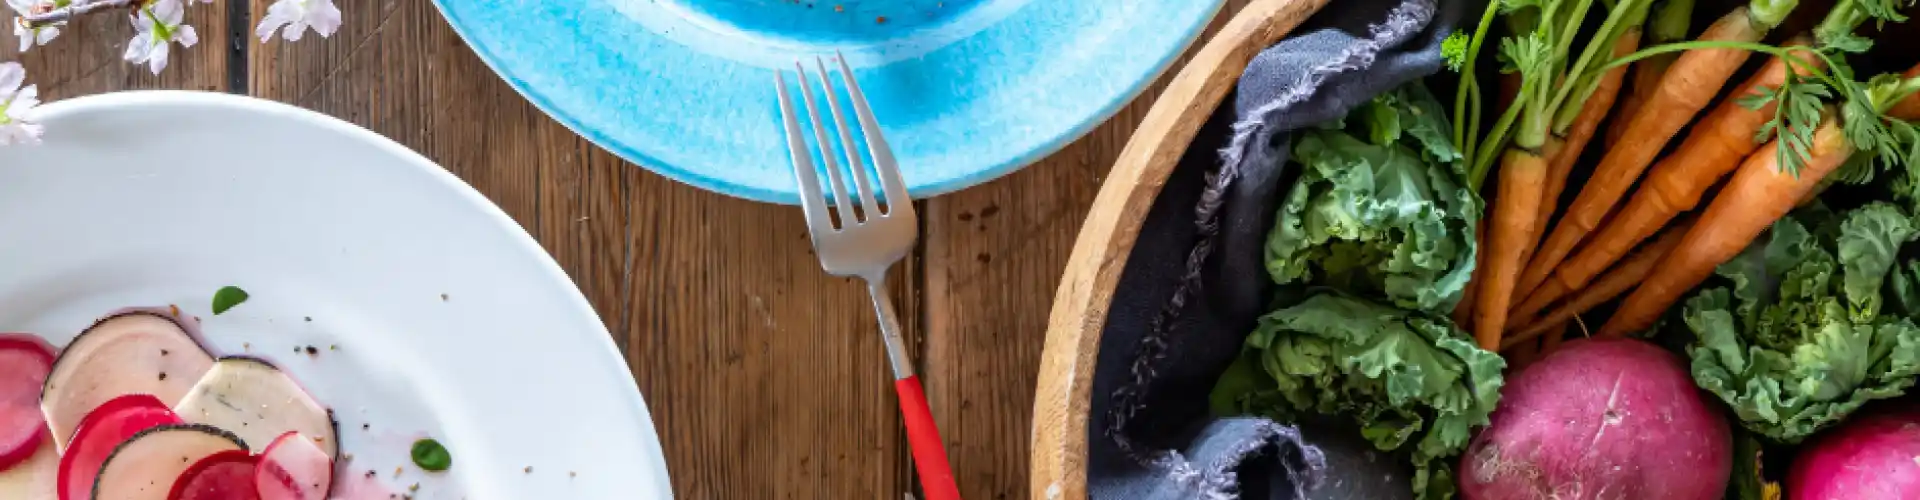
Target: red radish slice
293,468
100,432
226,475
25,361
257,401
136,352
146,466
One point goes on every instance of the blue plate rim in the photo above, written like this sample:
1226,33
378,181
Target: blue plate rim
1189,34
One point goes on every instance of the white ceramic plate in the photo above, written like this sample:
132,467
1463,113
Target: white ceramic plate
433,313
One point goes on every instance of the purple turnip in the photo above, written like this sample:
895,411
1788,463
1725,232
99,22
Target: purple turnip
1601,419
1875,456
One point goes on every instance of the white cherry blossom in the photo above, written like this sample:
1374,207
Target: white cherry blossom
29,37
297,16
16,107
157,27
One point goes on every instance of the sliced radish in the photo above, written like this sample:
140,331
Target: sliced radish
100,432
226,475
257,401
136,352
293,468
25,361
146,466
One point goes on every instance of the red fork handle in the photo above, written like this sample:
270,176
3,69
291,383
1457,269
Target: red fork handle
929,454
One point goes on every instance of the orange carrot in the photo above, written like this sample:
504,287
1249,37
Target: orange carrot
1712,149
1565,151
1554,148
1523,175
1757,195
1669,24
1687,87
1623,278
1909,108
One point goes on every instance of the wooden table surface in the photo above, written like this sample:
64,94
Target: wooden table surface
766,377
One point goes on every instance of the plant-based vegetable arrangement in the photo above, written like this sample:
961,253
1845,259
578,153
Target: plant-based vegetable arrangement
1738,181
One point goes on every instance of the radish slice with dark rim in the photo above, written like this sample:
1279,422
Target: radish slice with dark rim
134,352
146,466
293,468
226,475
25,362
100,433
257,401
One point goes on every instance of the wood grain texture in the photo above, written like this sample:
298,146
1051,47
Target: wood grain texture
1061,398
765,376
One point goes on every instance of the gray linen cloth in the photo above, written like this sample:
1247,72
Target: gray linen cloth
1195,283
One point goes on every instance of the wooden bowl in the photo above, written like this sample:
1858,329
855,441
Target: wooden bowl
1061,401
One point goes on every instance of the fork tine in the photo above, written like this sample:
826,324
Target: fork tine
843,204
868,207
811,203
883,163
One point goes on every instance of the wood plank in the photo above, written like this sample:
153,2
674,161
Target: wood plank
86,58
766,378
993,260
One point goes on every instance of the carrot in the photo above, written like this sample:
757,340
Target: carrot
1689,85
1758,194
1669,24
1554,148
1523,174
1623,278
1909,108
1566,147
1712,149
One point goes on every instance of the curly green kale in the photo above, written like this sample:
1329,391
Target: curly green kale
1381,208
1801,339
1413,381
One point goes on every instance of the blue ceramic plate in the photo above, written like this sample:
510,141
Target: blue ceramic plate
966,90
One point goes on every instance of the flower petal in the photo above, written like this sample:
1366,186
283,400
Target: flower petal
186,35
157,60
295,30
139,48
21,107
324,17
170,11
25,35
273,21
12,74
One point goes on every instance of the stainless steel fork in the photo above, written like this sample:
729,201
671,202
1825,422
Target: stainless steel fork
864,239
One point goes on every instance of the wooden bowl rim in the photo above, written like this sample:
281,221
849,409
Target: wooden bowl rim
1100,252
